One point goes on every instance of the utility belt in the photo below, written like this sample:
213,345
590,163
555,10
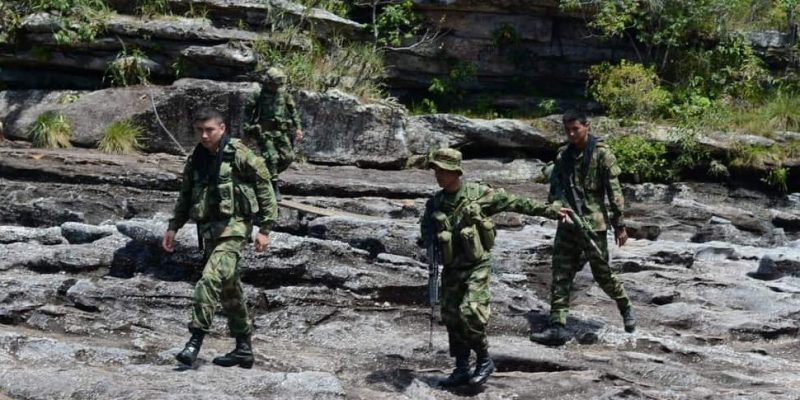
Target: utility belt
471,239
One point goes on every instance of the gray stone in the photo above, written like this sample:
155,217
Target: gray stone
342,130
16,234
78,233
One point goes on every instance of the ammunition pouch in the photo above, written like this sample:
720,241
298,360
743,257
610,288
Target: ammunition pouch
445,239
483,224
471,243
444,236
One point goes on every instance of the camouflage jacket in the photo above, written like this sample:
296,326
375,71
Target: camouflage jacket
490,200
242,191
275,112
600,179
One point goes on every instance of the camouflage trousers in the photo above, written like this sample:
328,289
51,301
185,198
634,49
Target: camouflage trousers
570,253
465,306
277,150
220,283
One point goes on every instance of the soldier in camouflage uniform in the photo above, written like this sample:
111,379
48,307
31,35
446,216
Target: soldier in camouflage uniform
458,217
275,124
584,174
225,185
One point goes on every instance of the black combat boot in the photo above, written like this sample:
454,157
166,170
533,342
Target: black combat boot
242,355
555,335
484,366
189,353
629,319
276,190
460,375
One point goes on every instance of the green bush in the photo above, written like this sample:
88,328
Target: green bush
397,22
350,66
627,90
128,69
120,137
641,160
51,130
338,7
153,7
777,178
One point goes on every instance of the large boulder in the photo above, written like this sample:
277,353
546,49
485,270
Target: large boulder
89,113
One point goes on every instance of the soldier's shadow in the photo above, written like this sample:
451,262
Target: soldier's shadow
585,331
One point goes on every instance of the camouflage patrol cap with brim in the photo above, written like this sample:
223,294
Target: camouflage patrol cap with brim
446,159
276,75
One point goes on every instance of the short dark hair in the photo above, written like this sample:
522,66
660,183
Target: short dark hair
207,113
574,115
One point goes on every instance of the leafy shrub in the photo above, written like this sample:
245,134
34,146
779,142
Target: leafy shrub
153,7
120,137
81,20
128,69
776,178
338,7
51,130
627,90
353,67
641,160
397,22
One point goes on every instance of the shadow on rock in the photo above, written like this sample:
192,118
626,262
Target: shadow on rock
138,257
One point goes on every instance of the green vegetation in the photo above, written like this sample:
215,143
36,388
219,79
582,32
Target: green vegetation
776,178
350,66
395,23
627,90
128,69
338,7
10,19
79,20
154,7
51,130
120,137
641,160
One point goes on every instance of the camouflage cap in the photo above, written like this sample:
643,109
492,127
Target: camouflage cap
277,75
446,159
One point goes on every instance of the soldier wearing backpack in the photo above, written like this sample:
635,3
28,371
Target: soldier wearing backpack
460,216
224,186
275,124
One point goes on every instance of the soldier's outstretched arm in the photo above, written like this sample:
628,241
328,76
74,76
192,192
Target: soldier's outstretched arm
497,200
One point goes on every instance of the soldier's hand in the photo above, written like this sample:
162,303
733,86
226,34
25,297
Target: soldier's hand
563,214
167,242
620,236
261,242
298,135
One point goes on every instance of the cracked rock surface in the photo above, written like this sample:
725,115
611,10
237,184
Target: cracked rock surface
89,301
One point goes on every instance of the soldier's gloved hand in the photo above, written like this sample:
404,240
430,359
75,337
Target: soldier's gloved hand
261,242
420,242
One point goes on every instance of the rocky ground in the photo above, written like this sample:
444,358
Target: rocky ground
91,308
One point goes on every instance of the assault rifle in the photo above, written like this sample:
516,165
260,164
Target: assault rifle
434,260
588,234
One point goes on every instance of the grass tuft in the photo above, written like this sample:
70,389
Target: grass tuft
51,130
120,137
